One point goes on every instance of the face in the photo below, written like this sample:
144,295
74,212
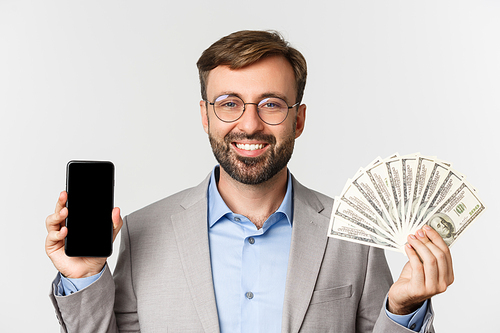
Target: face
440,225
249,150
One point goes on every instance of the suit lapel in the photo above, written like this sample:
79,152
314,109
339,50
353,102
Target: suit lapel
306,254
191,233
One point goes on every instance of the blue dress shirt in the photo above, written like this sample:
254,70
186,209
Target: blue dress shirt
248,267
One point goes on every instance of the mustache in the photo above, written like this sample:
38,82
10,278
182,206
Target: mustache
267,138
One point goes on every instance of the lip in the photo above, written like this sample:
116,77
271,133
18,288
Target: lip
250,148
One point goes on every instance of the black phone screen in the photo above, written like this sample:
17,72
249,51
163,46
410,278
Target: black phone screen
90,187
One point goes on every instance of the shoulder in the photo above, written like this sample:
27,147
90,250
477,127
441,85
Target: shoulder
321,202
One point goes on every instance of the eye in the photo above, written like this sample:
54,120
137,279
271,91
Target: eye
272,104
228,102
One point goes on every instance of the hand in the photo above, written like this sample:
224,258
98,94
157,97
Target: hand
72,267
428,272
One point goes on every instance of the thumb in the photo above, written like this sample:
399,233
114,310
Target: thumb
117,221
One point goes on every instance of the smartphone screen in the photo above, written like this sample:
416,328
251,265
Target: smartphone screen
90,187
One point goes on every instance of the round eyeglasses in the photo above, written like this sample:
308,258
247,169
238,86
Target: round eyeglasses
271,110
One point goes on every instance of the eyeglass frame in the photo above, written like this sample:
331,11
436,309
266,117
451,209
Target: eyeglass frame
257,106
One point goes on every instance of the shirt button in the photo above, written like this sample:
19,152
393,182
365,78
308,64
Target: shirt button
251,240
237,219
412,327
249,295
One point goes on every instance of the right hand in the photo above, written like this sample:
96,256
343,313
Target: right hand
72,267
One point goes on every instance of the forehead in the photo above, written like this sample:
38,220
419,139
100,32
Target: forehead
266,76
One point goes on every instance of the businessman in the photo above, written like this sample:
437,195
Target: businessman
246,250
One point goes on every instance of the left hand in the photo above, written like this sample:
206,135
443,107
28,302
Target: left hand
428,272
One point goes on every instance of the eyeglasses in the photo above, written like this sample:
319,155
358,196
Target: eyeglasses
271,110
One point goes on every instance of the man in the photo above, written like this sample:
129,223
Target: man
246,250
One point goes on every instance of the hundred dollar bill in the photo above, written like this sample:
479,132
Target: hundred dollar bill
422,174
394,197
395,172
436,177
449,184
456,214
364,218
358,194
381,181
347,229
408,168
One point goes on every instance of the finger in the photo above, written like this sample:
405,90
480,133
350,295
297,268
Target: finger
436,265
55,237
436,238
61,202
438,247
429,261
117,221
55,221
438,241
417,267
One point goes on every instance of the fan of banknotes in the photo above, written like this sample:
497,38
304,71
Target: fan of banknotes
394,197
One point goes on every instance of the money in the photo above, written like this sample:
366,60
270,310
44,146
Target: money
391,198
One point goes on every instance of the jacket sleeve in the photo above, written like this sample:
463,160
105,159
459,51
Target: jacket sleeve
96,308
378,277
87,310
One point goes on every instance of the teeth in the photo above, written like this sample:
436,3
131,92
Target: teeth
249,146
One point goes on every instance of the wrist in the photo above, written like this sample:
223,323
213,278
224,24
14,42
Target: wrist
403,309
84,274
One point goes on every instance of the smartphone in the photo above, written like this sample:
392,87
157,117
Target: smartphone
90,188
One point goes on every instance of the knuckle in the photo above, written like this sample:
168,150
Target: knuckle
442,287
432,261
452,279
440,256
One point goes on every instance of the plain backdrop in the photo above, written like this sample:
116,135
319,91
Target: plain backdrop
116,80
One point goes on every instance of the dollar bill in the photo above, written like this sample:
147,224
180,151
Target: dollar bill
435,178
348,229
365,219
456,214
384,186
393,197
408,168
449,184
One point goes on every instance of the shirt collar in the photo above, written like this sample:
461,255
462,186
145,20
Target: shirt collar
217,208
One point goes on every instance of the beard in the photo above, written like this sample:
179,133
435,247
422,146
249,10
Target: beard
252,170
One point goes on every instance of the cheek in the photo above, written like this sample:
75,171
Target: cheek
286,132
218,129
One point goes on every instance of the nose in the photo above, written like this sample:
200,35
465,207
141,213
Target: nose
250,121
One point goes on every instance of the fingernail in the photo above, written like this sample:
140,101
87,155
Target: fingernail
420,233
426,227
413,237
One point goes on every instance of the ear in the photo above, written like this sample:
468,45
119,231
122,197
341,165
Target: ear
301,120
204,115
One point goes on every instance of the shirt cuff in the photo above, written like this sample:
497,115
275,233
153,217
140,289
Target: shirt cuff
68,286
412,321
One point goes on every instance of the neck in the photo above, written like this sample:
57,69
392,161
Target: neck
256,202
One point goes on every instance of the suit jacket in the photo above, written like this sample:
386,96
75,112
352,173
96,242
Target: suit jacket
163,279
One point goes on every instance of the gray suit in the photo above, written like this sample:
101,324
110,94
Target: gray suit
163,279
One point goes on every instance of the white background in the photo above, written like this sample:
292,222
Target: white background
116,80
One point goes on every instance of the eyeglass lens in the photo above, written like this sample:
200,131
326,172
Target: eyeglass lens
272,110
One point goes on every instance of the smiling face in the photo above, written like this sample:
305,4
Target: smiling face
249,150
